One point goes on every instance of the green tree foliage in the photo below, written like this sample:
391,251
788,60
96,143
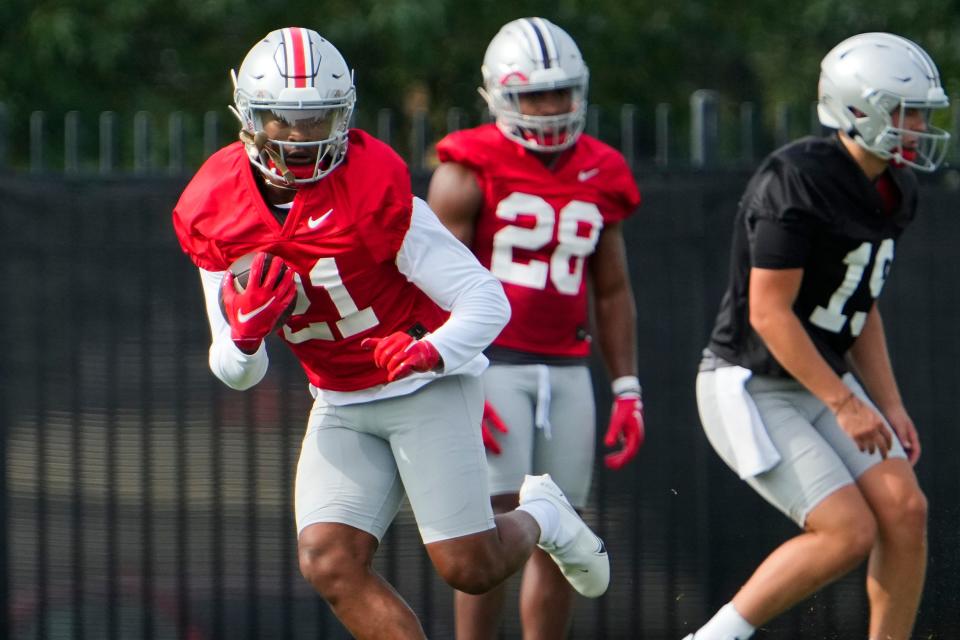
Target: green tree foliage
164,55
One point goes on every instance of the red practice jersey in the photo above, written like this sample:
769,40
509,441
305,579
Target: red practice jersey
341,237
538,228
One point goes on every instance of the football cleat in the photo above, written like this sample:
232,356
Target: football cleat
583,559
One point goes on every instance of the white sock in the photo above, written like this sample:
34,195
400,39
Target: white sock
727,624
546,515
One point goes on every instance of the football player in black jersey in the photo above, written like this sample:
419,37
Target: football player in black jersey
795,391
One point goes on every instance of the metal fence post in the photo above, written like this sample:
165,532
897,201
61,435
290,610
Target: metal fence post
954,129
37,127
71,142
211,133
454,119
781,127
704,128
747,125
593,121
418,144
141,142
627,134
4,136
816,129
385,125
662,134
108,142
175,143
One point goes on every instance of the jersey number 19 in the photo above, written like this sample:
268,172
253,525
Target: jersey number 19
832,317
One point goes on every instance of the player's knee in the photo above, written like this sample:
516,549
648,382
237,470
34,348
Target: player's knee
856,539
914,511
329,570
907,518
469,575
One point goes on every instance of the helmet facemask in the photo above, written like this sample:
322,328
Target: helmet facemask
293,146
923,149
546,133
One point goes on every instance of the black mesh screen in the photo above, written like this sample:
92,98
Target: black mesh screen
143,499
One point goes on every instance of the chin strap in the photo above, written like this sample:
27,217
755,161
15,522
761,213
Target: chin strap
260,141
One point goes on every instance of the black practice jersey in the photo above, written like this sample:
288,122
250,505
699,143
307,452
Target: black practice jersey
810,206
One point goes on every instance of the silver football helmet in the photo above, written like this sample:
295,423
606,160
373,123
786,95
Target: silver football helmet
866,79
528,55
294,77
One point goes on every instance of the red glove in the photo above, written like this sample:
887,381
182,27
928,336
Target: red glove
490,418
255,312
626,427
400,354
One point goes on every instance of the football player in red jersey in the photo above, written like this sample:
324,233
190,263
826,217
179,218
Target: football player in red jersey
796,392
390,319
541,204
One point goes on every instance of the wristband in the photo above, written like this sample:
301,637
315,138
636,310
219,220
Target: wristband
626,385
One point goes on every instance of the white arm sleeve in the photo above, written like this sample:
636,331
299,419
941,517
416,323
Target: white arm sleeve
443,268
233,367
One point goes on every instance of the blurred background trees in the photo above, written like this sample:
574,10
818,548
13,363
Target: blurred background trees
165,55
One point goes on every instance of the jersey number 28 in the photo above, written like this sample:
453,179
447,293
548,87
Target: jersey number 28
565,265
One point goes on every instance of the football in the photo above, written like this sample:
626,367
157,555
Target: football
241,276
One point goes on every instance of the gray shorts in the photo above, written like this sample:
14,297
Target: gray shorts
563,443
357,460
816,456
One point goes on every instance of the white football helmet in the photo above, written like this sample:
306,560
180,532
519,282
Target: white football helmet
527,55
867,78
294,75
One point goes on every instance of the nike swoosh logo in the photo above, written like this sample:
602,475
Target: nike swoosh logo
583,176
313,223
245,317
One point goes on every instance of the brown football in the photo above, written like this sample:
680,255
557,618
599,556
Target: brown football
241,275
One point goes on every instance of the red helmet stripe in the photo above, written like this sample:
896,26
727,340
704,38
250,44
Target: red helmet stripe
298,50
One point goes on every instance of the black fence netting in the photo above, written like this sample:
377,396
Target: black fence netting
143,499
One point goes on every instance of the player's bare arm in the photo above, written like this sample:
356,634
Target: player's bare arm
772,295
870,359
617,329
616,310
456,198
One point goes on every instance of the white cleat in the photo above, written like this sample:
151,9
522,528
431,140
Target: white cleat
583,560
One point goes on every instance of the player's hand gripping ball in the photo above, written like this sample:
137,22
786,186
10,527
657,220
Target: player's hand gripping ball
258,295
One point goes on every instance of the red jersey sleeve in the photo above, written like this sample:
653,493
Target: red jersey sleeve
198,213
476,149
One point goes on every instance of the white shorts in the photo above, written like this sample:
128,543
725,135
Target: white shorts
563,442
816,456
357,460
